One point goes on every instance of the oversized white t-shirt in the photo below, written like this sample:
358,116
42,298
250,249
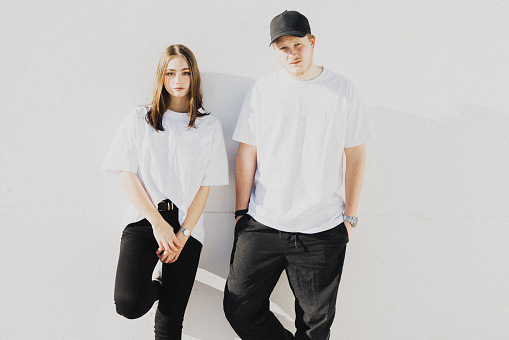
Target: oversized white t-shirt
173,163
300,129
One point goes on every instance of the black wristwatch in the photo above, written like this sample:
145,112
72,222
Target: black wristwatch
240,212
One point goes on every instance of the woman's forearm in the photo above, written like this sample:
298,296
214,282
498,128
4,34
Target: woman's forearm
196,208
163,232
139,197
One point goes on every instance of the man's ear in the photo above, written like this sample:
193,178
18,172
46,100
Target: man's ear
313,41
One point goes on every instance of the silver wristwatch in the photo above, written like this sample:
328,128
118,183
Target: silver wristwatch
353,220
186,232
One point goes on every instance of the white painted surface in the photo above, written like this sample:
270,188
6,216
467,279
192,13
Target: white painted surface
428,260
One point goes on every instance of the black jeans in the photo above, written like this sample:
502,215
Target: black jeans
313,265
135,292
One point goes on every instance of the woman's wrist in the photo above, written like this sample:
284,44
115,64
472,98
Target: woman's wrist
157,222
182,237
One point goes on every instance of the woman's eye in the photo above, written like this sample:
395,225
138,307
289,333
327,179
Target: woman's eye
187,73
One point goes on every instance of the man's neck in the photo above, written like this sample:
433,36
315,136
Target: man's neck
311,73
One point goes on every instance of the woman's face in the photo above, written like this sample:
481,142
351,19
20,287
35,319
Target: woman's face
177,78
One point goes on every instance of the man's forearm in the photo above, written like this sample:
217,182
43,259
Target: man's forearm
354,176
245,167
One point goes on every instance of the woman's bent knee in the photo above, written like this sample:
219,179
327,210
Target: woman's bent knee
130,308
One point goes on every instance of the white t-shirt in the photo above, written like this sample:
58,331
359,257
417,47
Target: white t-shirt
300,129
173,163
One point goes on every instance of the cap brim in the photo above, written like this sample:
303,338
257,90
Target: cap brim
285,33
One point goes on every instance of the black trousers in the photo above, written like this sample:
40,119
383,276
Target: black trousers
313,264
135,292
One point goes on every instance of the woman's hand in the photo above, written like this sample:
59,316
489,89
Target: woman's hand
165,237
168,256
163,232
170,252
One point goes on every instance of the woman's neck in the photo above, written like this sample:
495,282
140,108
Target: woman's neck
179,104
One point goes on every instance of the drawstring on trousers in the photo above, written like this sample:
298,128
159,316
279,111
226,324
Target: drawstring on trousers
290,236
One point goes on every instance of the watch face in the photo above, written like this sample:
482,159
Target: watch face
355,220
352,220
186,232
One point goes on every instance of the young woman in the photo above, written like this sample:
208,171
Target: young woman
168,154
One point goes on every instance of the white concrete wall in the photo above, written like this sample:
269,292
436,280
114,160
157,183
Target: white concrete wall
429,258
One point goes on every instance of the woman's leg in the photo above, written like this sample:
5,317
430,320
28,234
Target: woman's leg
135,292
178,280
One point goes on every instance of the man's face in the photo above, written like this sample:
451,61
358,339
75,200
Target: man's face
295,54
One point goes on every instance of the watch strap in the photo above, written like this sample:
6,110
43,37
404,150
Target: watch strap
353,220
240,212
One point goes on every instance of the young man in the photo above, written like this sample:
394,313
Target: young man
293,128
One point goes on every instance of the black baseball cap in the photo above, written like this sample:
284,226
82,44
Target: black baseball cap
289,23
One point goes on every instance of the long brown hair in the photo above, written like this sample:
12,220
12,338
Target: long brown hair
161,98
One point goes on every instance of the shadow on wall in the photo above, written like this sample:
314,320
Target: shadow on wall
223,96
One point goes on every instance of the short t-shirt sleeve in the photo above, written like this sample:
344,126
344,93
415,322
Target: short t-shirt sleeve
245,130
216,172
359,127
122,154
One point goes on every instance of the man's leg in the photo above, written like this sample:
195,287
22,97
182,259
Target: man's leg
256,264
314,267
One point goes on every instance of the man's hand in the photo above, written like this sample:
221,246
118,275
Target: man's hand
245,168
349,227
